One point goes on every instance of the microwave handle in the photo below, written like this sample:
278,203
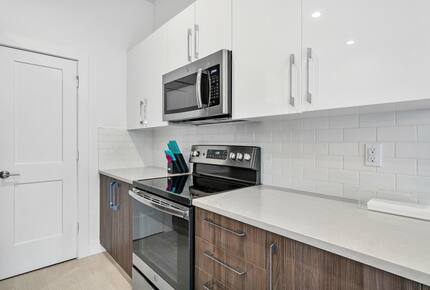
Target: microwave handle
199,88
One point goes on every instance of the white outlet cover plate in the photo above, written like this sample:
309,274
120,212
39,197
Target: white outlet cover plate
373,155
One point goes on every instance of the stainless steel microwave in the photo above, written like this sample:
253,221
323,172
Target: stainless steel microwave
199,91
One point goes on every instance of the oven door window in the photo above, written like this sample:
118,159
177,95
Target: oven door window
162,241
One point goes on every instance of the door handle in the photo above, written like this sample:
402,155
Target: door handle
115,191
308,82
199,88
196,40
6,174
292,62
142,112
189,34
273,248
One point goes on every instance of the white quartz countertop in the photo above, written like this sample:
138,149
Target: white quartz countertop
128,175
395,244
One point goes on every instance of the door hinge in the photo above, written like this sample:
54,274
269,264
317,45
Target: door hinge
77,228
77,82
77,155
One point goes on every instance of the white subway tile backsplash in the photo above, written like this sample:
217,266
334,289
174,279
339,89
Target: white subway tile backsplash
329,161
424,133
343,176
315,123
359,135
323,155
377,181
386,119
424,167
412,150
401,166
329,135
397,134
348,121
315,149
413,184
415,117
348,149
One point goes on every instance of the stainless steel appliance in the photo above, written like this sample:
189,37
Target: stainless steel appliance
199,91
163,215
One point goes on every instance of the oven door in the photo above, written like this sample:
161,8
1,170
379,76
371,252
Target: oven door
199,90
163,241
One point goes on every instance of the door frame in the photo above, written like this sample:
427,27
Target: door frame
85,245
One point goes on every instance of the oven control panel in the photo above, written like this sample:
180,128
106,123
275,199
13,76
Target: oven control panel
236,156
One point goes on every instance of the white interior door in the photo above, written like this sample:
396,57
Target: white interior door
38,99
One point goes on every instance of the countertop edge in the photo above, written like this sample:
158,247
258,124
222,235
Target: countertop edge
117,177
378,263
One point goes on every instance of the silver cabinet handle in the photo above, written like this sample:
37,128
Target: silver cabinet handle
142,112
196,40
292,62
189,34
273,248
239,234
6,174
111,195
308,82
115,198
208,285
228,267
199,89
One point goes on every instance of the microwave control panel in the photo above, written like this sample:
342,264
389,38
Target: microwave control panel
214,79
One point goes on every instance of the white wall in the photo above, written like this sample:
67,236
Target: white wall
100,32
166,9
326,155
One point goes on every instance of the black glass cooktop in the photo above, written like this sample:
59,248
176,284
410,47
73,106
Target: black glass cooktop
184,188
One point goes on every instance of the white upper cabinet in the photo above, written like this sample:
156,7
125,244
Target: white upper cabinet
212,29
198,31
146,65
364,52
180,38
266,57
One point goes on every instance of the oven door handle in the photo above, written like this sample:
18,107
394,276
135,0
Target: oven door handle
169,210
199,88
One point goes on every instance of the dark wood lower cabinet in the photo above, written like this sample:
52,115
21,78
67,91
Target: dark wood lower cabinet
288,264
115,221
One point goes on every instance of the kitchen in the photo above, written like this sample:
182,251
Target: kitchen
204,144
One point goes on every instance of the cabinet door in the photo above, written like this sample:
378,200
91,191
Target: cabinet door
180,38
122,228
212,30
365,52
155,66
146,65
135,88
105,214
265,34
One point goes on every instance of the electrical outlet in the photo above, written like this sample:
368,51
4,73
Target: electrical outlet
373,155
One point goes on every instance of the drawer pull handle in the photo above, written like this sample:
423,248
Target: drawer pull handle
273,248
212,257
210,285
239,234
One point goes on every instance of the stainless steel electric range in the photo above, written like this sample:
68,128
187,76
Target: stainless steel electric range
163,215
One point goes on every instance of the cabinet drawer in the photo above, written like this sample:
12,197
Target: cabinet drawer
230,270
205,281
239,239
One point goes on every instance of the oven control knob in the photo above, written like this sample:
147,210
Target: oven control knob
232,156
239,156
247,157
196,153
